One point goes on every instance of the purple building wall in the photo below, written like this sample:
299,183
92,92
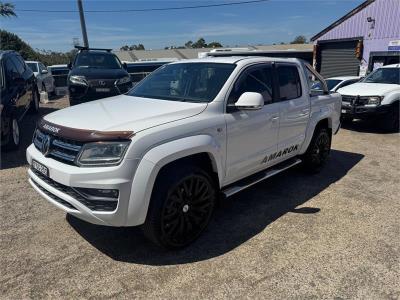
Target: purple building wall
387,27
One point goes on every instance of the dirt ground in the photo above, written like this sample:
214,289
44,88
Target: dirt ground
334,235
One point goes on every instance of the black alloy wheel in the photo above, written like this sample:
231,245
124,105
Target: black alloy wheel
318,151
181,207
187,210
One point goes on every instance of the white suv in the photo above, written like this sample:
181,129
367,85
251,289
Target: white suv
377,95
192,130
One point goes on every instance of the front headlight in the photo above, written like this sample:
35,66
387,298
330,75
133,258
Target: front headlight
80,80
102,153
123,80
374,100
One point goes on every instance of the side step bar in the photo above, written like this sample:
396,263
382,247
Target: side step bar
253,179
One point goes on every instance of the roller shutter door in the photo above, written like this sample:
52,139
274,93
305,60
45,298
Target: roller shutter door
338,59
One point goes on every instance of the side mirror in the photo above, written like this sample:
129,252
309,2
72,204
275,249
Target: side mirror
45,71
69,66
250,101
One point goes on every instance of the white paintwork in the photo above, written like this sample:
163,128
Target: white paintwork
236,142
43,78
389,92
250,101
344,80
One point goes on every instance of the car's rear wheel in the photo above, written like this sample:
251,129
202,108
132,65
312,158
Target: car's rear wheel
34,108
181,206
318,151
14,137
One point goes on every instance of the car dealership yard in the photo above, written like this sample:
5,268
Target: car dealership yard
331,235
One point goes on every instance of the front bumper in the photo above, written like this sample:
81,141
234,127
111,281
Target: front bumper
57,188
82,94
363,111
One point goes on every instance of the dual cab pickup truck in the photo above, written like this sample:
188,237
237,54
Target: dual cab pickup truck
161,155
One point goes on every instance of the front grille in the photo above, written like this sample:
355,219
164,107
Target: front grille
95,205
59,148
54,197
102,83
354,100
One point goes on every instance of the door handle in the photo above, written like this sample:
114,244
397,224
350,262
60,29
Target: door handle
275,118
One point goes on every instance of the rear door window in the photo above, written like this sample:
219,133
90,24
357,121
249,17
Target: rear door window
289,82
19,63
11,71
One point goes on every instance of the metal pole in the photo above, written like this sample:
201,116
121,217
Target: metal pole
83,24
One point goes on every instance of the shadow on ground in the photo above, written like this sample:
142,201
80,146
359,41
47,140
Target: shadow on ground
236,220
17,158
366,126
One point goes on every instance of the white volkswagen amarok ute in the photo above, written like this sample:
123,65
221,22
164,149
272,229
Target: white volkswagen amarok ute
191,131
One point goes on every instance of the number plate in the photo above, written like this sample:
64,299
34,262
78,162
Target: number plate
102,90
39,167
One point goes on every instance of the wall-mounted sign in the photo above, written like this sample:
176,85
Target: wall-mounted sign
394,45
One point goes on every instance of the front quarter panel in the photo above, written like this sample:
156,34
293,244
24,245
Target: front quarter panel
155,159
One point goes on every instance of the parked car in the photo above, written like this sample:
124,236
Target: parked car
377,95
18,93
191,130
335,83
95,74
44,78
140,69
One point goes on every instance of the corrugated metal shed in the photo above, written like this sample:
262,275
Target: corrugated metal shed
374,22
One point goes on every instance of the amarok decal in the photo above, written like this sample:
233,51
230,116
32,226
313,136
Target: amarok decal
280,153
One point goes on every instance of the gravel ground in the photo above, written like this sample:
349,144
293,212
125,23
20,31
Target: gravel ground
335,235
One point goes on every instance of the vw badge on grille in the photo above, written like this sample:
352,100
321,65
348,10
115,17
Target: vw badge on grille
46,145
102,82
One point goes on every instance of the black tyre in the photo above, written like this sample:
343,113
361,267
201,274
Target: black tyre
390,121
13,135
181,206
318,151
34,107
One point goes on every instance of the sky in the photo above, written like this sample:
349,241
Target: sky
269,22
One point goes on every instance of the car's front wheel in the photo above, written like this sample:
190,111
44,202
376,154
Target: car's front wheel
391,119
181,206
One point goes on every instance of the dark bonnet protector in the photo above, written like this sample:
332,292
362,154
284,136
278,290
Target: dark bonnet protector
82,135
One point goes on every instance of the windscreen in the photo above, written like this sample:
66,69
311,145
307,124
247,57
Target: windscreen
33,67
384,75
97,60
189,82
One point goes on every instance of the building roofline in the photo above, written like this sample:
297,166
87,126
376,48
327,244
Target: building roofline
342,19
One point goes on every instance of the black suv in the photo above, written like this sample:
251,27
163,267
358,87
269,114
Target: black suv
95,74
18,94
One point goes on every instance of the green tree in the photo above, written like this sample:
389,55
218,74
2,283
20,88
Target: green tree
10,41
300,39
214,45
201,43
124,48
7,10
137,47
189,44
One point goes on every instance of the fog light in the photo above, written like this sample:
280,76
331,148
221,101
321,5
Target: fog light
98,194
